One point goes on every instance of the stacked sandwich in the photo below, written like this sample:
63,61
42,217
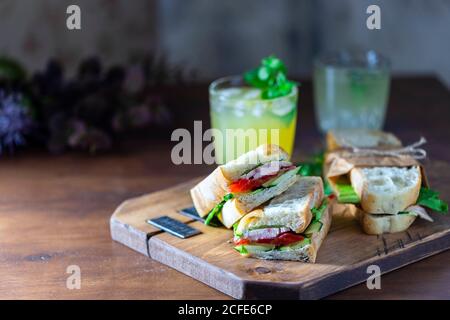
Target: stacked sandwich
389,191
291,226
275,213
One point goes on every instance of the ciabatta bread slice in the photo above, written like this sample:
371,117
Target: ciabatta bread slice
391,223
360,138
265,153
210,191
385,223
306,253
291,209
386,190
236,208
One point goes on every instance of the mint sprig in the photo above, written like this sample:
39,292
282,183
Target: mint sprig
271,78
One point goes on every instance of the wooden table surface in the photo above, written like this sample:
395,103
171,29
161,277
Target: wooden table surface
54,210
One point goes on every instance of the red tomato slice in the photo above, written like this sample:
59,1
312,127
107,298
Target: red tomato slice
283,239
245,185
241,241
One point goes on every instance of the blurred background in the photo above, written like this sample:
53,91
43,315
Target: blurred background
217,38
145,64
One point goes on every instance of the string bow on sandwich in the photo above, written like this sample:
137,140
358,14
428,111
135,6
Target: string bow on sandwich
412,150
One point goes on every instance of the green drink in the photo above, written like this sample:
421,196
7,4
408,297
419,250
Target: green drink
242,120
351,90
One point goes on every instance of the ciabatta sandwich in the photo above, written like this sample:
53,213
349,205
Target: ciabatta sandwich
386,189
391,223
388,198
388,192
237,187
292,226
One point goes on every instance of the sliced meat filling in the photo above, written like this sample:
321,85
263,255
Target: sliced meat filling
260,175
275,236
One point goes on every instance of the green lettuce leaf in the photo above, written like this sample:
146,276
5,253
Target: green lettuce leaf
327,190
241,249
315,168
319,211
430,199
211,219
258,190
346,194
235,225
312,167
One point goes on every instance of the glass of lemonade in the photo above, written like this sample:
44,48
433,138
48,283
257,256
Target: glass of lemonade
241,120
351,90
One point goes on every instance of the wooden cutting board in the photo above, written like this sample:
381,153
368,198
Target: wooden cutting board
342,260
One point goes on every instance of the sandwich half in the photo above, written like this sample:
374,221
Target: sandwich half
388,193
291,226
389,199
386,189
235,188
360,138
391,223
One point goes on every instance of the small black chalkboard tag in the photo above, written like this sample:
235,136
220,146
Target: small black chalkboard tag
173,227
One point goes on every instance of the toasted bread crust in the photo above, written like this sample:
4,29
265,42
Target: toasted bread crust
303,217
211,190
318,237
376,224
379,204
236,208
232,212
250,219
232,170
335,139
331,141
314,201
307,253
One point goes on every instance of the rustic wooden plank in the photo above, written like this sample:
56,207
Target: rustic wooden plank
341,263
128,223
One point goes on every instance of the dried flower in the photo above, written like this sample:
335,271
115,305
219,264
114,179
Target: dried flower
15,121
88,138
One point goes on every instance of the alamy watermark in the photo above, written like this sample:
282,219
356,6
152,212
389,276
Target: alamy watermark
73,21
223,145
74,280
374,280
373,21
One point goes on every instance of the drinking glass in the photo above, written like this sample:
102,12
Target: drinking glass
351,90
242,120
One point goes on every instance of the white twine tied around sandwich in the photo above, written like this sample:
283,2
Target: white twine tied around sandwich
412,150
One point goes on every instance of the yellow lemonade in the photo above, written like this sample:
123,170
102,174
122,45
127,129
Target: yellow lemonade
242,120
